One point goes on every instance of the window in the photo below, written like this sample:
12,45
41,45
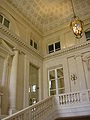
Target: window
57,46
1,18
31,42
56,81
54,47
4,21
35,45
87,35
51,48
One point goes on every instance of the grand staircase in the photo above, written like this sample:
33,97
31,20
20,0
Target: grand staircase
60,107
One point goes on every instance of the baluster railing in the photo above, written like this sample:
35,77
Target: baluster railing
75,97
69,98
38,111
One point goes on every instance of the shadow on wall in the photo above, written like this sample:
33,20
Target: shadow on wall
5,101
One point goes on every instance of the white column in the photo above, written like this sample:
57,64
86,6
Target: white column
13,82
5,70
81,74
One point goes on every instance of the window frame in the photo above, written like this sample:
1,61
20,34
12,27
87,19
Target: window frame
57,89
57,48
87,39
51,50
30,42
33,43
2,18
3,21
54,50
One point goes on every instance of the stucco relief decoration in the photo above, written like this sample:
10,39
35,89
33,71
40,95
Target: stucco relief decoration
73,78
86,59
48,14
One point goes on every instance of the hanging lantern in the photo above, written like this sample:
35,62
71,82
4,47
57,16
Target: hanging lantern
76,25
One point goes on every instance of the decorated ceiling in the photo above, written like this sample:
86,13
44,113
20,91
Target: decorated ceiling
46,15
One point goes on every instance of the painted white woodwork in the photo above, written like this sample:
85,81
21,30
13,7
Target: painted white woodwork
56,81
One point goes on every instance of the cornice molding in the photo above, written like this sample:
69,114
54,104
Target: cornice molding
19,42
51,29
66,25
25,48
5,5
67,50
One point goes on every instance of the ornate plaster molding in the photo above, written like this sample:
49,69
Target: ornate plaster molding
17,40
28,49
47,16
68,50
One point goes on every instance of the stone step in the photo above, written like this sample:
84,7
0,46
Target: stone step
75,118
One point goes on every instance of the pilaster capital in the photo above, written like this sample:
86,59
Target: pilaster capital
15,49
78,55
19,51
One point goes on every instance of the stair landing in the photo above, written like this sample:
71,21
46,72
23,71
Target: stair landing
74,118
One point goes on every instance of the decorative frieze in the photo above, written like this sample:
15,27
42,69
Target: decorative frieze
29,49
68,50
22,45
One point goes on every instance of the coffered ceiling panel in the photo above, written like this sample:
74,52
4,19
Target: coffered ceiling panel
48,14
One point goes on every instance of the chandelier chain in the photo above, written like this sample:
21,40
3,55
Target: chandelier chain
73,7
